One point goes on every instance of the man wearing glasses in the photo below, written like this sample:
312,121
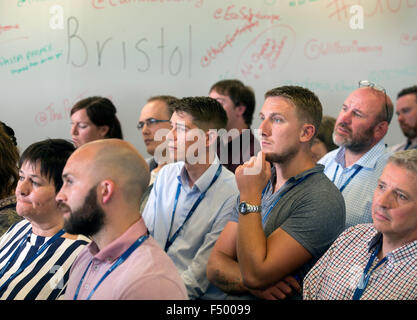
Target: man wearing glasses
407,118
358,162
155,115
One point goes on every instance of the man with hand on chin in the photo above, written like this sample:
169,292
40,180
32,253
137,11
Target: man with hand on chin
289,212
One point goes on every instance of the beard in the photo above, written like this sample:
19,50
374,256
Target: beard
282,157
409,132
357,143
87,220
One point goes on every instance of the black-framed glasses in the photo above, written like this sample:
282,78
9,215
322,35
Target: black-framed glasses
149,122
370,84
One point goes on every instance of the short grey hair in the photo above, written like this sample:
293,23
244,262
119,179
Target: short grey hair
406,159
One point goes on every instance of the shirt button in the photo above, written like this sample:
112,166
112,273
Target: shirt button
86,286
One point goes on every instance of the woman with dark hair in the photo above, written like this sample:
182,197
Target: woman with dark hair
35,253
9,157
323,142
94,118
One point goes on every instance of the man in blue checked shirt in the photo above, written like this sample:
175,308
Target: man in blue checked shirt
362,154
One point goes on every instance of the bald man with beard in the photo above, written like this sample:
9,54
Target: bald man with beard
103,183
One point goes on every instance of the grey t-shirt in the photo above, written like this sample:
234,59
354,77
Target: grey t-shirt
309,207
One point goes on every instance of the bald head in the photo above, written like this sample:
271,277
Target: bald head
379,100
116,160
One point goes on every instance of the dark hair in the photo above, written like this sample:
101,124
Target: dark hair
169,100
239,94
52,155
101,112
207,113
325,133
409,90
9,156
9,131
307,104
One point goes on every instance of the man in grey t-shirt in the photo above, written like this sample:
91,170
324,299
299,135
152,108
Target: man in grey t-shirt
288,214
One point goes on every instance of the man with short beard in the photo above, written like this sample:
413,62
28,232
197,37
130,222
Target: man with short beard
103,182
288,212
407,118
362,154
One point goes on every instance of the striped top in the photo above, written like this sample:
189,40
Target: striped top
336,275
47,276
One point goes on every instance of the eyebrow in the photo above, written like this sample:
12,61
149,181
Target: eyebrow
395,189
32,175
181,124
65,175
272,114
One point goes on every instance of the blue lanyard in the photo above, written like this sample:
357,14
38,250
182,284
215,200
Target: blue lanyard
408,146
359,168
31,259
169,242
283,193
363,282
118,262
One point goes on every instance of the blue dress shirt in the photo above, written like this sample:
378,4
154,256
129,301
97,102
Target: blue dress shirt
359,192
191,249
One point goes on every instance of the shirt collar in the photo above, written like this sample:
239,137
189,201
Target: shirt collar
404,252
116,248
375,241
205,179
368,160
292,180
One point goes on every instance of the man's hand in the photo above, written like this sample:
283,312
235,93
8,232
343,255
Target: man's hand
252,177
279,291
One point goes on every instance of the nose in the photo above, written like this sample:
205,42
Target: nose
22,188
171,135
74,130
345,117
264,127
384,199
400,117
60,197
145,129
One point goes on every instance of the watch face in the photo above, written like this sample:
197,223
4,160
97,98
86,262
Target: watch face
243,208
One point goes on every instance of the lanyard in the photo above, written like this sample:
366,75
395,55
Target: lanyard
118,262
31,259
359,168
408,146
190,213
282,194
363,282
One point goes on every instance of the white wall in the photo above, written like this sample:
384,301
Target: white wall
130,50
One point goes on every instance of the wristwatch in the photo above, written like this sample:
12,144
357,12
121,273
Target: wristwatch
245,208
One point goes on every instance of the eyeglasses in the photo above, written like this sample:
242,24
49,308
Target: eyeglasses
369,84
149,122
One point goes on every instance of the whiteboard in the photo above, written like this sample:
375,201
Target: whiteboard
56,52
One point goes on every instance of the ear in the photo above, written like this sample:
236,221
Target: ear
103,130
240,109
106,190
307,132
380,130
211,137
